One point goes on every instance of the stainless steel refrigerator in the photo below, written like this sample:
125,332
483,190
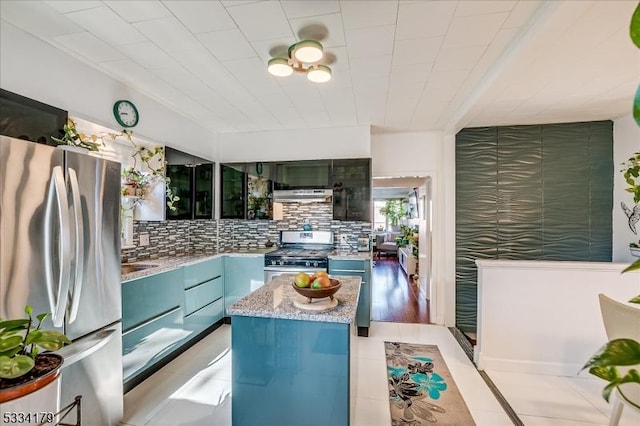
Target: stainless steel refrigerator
60,253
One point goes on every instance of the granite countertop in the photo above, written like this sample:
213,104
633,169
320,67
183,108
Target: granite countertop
165,264
275,300
350,255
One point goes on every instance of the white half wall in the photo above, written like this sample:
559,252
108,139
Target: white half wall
423,154
626,141
296,144
543,317
35,69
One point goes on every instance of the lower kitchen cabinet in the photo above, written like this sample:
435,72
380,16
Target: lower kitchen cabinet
164,314
242,275
361,267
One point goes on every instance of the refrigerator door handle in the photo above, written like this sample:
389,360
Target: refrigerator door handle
57,304
80,349
79,243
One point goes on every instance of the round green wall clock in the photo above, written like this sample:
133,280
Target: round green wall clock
126,113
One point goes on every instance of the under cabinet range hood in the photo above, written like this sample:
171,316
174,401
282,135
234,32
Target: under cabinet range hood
303,196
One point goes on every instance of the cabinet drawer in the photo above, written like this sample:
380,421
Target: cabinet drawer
202,294
142,345
347,265
201,272
150,296
205,316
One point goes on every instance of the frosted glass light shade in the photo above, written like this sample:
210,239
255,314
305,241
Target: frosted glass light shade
319,73
279,67
307,51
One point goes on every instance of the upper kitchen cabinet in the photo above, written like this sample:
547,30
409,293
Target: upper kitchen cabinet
232,191
191,179
311,174
247,190
351,184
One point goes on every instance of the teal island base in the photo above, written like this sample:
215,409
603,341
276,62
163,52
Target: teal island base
289,372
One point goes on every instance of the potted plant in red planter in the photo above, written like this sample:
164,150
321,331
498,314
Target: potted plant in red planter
23,369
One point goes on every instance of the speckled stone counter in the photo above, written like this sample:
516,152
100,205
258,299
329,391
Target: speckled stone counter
156,266
289,365
350,255
275,300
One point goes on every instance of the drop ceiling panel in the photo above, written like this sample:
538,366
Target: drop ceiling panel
360,14
266,49
332,23
417,50
148,55
89,46
369,42
460,58
371,66
65,6
139,10
38,19
201,16
424,19
302,9
227,45
261,21
474,30
411,73
471,7
107,25
521,13
169,34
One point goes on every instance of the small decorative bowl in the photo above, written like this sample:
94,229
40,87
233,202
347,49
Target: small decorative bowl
310,293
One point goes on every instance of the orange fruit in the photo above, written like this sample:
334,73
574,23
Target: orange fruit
302,280
321,274
325,282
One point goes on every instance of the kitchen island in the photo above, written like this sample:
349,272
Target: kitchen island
292,366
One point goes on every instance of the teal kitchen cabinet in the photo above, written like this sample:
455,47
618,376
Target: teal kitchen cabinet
361,267
166,313
203,294
152,323
242,275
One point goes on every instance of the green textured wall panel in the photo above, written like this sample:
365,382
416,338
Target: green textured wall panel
540,192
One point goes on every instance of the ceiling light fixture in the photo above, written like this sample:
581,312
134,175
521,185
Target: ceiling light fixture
303,58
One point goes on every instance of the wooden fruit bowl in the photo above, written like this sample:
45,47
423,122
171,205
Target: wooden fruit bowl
310,293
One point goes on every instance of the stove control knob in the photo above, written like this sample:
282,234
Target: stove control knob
273,262
280,262
315,263
307,263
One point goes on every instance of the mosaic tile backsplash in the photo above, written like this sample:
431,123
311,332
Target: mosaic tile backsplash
170,238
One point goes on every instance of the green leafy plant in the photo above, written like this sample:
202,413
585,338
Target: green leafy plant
623,352
140,181
21,341
394,210
73,137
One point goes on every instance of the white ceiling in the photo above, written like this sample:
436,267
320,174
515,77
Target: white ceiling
400,65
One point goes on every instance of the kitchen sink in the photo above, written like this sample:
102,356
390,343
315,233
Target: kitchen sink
135,267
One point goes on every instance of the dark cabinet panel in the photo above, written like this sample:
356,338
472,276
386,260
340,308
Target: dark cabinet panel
309,174
191,179
351,184
232,191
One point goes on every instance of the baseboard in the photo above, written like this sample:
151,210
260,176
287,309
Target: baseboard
528,366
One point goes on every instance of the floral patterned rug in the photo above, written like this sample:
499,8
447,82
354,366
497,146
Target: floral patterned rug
421,390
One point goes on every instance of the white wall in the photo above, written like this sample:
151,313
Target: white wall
626,141
32,68
543,317
424,154
297,144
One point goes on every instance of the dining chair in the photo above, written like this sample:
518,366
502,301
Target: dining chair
621,321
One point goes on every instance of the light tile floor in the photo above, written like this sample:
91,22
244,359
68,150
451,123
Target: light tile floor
195,388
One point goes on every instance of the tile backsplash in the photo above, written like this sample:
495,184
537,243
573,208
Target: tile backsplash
169,238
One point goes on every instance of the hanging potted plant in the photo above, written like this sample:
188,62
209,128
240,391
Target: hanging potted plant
23,369
73,138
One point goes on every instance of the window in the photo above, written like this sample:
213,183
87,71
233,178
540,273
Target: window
379,220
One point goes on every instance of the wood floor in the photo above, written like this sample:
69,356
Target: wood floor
393,298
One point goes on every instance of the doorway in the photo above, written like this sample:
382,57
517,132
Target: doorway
401,276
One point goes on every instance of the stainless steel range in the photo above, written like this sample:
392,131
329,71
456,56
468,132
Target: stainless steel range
300,251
